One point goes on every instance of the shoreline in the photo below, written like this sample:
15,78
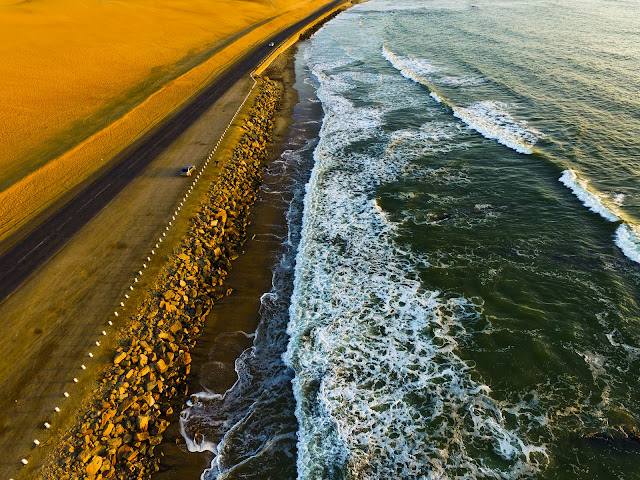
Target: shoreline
250,278
125,418
130,421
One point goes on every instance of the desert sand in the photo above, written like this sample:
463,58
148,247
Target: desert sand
84,78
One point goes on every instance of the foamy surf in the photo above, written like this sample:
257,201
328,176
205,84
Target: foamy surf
589,199
380,389
627,239
627,236
490,119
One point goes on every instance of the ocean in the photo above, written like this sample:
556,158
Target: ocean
458,292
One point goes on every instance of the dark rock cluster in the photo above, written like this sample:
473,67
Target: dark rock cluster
117,436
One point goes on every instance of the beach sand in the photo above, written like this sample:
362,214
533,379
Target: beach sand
249,278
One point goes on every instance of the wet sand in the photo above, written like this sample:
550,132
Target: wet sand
250,277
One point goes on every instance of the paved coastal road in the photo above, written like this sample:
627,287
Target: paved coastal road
22,260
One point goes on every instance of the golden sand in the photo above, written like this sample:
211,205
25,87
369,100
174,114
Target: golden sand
84,78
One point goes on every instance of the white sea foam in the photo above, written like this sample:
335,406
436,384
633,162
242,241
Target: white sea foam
618,199
463,81
627,238
489,118
381,391
418,70
589,199
493,121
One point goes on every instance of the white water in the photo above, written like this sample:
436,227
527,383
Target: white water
589,199
627,236
381,391
489,118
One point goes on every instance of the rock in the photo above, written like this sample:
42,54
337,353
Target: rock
114,442
176,327
93,467
142,423
161,366
126,403
106,416
84,455
169,294
183,359
148,398
108,429
119,357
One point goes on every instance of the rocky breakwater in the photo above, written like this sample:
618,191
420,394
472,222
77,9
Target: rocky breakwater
117,435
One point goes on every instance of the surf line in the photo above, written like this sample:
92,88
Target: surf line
627,235
486,118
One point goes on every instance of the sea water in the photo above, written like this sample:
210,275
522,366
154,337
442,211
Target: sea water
464,269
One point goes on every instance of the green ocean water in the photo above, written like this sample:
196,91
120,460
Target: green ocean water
458,311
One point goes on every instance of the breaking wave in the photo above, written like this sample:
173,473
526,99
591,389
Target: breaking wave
380,389
627,236
489,118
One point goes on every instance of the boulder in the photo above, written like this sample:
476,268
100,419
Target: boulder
176,327
161,366
119,357
142,422
93,467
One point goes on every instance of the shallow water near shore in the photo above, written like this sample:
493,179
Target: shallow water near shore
464,297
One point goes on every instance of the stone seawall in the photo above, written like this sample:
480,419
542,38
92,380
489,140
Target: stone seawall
117,435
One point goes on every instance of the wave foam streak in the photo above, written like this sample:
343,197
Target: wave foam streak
627,236
380,389
489,118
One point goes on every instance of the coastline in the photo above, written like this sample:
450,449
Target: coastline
249,278
130,421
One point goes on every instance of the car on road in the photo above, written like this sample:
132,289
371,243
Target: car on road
271,44
188,170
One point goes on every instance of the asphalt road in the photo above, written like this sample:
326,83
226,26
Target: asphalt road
23,259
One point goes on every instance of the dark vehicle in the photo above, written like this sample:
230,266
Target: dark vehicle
187,171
